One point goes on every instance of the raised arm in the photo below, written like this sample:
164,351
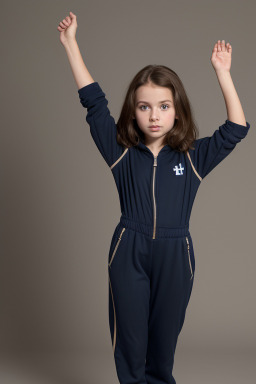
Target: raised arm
67,28
221,62
102,125
211,150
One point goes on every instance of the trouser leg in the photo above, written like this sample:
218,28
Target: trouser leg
171,287
129,294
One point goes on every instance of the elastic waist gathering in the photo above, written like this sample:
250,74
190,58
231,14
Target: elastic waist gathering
161,232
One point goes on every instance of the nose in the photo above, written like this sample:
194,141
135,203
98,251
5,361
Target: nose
154,115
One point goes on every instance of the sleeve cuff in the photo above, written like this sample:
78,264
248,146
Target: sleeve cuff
241,130
88,93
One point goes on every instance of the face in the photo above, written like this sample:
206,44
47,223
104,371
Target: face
154,106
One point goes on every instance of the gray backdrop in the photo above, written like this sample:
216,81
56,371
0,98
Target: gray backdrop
59,203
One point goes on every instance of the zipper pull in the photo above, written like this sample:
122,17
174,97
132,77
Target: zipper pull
155,161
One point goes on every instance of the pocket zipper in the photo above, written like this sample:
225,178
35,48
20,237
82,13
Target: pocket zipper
117,244
189,258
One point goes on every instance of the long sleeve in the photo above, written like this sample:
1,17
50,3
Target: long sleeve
102,125
211,150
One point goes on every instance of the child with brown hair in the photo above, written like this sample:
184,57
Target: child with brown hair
158,163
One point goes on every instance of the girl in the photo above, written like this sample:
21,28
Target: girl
158,164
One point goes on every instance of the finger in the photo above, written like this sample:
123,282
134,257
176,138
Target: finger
63,25
65,22
73,16
215,47
61,29
219,46
223,48
68,19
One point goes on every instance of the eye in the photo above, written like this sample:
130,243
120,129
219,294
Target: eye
142,107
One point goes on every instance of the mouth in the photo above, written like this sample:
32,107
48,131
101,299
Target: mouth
154,128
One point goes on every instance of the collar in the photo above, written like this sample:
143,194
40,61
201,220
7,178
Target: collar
143,147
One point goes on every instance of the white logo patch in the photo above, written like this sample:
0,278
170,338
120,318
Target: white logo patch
178,170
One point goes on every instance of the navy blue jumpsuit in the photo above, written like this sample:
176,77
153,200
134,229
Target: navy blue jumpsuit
151,262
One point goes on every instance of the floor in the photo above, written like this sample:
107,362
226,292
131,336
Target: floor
191,367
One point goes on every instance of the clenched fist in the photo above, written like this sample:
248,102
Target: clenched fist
67,28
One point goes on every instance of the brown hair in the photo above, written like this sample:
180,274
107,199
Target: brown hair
184,131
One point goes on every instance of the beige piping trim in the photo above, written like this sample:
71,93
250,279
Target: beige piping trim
199,177
112,166
114,337
191,270
117,245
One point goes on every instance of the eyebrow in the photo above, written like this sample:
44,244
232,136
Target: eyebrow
148,103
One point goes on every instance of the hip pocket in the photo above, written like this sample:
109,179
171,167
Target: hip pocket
118,240
189,252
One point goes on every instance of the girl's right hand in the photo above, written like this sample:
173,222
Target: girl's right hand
67,28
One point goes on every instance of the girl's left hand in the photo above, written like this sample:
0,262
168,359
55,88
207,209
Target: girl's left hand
221,56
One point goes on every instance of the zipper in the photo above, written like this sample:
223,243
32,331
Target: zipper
117,244
154,199
189,258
